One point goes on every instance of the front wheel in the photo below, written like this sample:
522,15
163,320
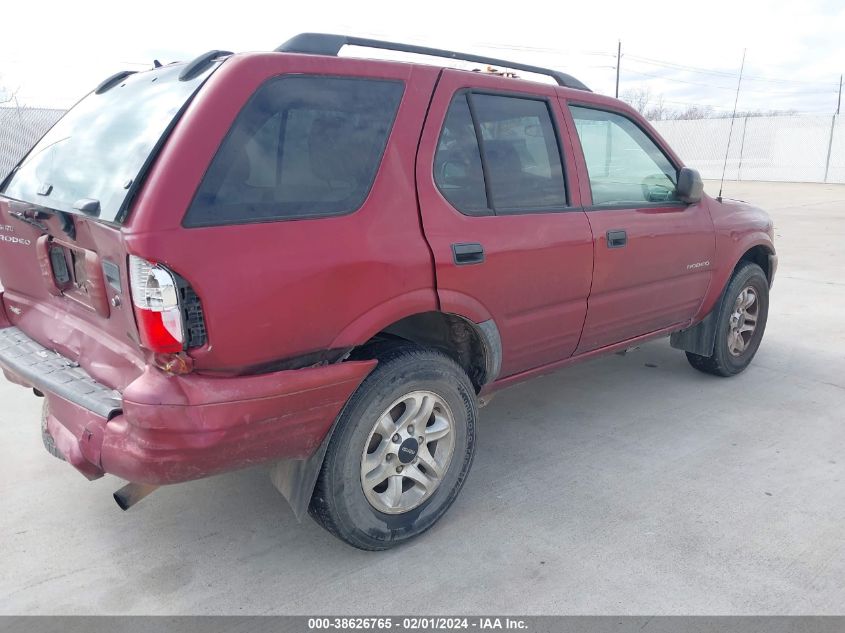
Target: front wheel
741,323
401,451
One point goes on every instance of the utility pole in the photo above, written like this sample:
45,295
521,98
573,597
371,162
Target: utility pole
619,59
838,102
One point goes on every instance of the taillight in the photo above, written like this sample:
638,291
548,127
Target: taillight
155,295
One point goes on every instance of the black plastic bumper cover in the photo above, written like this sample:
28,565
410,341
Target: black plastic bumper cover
48,371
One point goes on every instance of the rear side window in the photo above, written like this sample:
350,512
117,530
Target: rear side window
515,167
303,147
625,166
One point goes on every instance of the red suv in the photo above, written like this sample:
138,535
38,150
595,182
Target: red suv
325,262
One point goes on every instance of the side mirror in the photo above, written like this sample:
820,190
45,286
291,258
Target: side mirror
690,186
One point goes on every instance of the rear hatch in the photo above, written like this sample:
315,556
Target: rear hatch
63,263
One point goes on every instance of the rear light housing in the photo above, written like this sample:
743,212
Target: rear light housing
168,311
155,296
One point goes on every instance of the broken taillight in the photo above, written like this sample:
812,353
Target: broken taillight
155,295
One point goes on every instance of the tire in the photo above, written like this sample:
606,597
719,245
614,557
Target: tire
730,357
408,379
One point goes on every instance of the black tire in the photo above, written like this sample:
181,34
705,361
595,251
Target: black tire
723,362
339,503
49,442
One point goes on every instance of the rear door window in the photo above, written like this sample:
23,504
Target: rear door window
499,154
521,152
303,147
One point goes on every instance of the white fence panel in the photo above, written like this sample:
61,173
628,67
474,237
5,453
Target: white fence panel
836,168
782,148
20,129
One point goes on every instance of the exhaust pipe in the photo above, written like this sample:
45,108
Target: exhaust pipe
131,494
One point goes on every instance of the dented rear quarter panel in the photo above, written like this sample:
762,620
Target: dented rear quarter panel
280,289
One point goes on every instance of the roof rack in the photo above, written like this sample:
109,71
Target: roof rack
112,81
200,64
329,44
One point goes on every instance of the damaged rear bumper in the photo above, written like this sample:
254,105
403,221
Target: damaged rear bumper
167,429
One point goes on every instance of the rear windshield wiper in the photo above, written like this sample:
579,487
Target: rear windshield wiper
32,218
35,218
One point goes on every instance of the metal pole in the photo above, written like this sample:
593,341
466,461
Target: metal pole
829,148
838,101
619,60
741,150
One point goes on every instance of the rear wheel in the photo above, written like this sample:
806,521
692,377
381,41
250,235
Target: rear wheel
401,451
741,323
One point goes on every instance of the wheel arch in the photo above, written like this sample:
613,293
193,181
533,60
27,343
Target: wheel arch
476,347
701,337
761,254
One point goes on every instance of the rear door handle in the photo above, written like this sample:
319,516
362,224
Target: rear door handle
469,253
616,239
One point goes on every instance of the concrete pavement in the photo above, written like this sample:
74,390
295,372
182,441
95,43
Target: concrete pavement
627,485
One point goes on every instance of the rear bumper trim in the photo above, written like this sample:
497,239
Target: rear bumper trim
48,371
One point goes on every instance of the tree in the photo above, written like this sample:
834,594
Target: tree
7,95
645,103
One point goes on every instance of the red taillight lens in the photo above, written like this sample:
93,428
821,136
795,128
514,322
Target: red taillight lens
155,335
156,300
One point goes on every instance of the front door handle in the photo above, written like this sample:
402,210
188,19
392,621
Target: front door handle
616,239
471,253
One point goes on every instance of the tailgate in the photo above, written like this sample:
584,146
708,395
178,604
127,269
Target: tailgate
63,259
70,295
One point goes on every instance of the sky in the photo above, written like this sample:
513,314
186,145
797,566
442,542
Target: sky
52,53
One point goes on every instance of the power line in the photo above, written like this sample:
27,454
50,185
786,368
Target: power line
796,92
663,63
697,69
540,49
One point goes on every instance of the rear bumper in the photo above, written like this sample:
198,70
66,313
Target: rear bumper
166,429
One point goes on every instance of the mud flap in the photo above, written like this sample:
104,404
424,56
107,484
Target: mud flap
701,338
296,478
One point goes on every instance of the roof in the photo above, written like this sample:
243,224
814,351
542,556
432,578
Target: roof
20,129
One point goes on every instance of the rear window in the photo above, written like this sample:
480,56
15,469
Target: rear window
100,147
304,146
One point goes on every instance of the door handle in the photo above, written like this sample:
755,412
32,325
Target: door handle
471,253
616,239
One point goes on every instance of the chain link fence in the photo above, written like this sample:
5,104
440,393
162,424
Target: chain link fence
782,148
20,129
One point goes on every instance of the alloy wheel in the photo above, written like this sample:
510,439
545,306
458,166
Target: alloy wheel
407,452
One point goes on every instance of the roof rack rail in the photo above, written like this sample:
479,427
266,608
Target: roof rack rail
330,44
112,81
200,64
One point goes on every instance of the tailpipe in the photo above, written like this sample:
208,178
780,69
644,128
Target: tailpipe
131,494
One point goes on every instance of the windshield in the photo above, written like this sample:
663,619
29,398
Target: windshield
98,149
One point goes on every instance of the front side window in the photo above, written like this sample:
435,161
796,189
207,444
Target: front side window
625,166
515,166
303,147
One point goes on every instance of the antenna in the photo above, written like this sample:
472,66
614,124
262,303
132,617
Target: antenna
731,131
